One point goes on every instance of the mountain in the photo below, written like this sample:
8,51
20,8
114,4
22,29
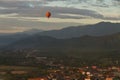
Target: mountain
99,29
6,39
85,47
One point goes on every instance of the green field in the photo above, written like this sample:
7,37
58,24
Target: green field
6,68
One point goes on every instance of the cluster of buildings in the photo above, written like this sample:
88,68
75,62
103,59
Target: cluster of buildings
84,73
56,70
62,72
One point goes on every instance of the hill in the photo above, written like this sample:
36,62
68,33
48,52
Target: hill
6,39
82,47
99,29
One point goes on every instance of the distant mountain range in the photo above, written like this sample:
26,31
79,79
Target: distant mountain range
6,38
85,47
98,39
99,29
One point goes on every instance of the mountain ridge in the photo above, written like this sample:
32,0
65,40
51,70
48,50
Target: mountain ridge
86,46
99,29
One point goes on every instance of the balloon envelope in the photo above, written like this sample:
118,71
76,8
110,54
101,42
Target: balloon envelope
48,14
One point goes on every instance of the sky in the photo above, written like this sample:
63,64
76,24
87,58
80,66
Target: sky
22,15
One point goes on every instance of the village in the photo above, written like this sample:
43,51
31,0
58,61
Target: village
55,70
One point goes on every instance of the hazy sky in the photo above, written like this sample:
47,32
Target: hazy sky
20,15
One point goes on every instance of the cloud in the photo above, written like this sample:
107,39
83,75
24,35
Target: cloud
117,0
28,3
56,12
10,24
26,14
25,8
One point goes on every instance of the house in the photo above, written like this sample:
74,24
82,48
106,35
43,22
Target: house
87,79
109,79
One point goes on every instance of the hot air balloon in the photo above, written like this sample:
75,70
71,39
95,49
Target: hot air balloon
48,14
